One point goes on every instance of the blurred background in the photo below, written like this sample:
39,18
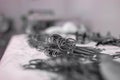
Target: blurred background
17,16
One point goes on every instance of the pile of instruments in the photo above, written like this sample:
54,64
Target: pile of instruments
66,58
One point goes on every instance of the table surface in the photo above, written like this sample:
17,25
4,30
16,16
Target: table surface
16,55
19,53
